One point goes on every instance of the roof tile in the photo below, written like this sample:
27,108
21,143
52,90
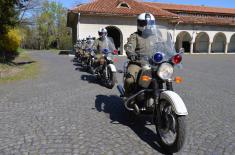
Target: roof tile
111,7
193,8
159,10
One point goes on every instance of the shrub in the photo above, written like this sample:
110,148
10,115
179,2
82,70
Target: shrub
9,44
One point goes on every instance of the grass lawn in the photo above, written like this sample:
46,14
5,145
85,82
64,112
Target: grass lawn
23,67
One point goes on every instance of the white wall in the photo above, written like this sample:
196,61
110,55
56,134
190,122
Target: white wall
89,25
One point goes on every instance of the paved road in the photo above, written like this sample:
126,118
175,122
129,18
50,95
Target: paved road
64,111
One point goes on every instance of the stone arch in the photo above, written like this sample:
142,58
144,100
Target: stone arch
219,43
202,42
115,33
231,47
183,40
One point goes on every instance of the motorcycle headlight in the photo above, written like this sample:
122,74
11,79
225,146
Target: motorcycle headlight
165,71
109,58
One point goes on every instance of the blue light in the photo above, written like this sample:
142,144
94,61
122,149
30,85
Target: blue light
89,49
158,57
105,51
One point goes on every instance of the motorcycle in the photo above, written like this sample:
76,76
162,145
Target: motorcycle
153,93
91,61
85,58
77,56
106,70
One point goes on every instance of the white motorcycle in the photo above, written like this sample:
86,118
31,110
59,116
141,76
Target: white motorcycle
106,70
153,91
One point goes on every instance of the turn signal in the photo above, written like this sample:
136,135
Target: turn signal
115,52
178,79
145,78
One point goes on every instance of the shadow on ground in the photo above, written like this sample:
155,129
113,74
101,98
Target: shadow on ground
65,52
113,105
23,63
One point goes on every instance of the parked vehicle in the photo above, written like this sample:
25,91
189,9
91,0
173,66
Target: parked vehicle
153,93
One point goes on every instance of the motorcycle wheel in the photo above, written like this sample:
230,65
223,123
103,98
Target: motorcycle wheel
111,78
91,68
83,63
171,128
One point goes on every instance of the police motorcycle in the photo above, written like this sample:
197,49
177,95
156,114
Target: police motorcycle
87,53
91,61
105,69
77,52
153,93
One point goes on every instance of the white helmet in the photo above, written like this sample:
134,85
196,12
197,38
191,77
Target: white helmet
145,21
89,37
102,33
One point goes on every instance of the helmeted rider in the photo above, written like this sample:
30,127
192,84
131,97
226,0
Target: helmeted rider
136,44
77,48
88,46
103,42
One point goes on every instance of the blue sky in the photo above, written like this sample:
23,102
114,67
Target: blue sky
217,3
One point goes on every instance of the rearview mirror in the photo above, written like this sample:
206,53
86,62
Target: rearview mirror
181,50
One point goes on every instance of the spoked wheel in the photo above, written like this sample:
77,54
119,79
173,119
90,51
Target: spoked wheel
83,62
170,127
111,79
91,68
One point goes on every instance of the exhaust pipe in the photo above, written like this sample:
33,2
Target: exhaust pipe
121,90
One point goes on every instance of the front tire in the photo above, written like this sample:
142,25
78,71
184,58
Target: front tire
111,79
171,128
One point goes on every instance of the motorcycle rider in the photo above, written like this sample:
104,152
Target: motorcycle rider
102,42
77,48
83,46
136,45
88,46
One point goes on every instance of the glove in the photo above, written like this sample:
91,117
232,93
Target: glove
132,56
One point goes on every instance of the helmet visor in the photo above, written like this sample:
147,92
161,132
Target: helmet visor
102,33
143,23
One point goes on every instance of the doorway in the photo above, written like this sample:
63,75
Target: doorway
116,34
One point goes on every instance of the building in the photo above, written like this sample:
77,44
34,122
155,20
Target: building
198,29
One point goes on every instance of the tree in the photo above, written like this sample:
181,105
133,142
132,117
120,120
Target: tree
49,30
9,11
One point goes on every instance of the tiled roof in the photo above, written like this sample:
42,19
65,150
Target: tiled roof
159,10
110,7
192,8
206,20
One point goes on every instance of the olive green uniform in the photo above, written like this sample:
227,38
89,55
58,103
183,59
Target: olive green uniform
77,47
135,44
100,44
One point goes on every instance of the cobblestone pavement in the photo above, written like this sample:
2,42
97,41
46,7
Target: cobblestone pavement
64,111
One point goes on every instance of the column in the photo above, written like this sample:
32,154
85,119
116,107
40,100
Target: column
226,48
191,47
78,26
209,48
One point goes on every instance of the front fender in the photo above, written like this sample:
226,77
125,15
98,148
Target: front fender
112,67
176,102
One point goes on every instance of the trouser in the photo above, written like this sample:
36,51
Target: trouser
129,83
99,59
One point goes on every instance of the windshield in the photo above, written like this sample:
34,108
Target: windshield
158,40
107,45
89,44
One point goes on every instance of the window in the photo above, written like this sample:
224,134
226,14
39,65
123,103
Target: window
123,5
